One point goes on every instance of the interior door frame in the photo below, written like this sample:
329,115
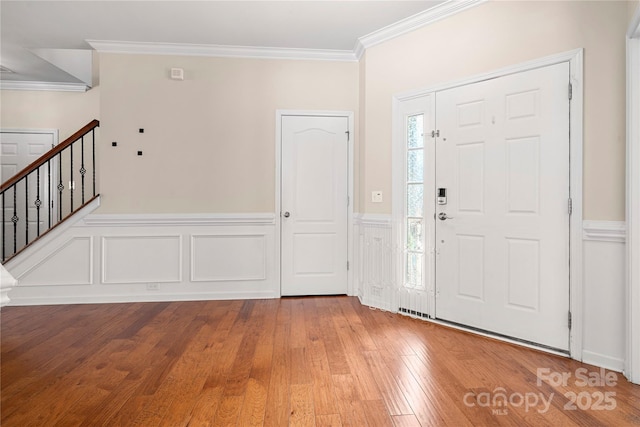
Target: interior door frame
349,115
575,59
632,362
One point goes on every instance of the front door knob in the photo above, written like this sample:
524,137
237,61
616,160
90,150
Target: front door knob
286,214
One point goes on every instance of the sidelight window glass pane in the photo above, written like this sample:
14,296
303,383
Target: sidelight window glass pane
415,131
414,221
414,270
414,234
415,167
414,200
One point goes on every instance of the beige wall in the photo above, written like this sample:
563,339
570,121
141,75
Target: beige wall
495,35
65,111
361,137
209,141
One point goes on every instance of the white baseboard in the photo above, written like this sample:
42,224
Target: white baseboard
140,297
602,360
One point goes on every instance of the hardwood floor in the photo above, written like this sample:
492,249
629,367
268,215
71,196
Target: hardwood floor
324,361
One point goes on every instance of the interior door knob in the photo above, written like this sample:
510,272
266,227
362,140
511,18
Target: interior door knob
286,214
443,216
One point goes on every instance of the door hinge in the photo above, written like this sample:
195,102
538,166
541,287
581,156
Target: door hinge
570,206
348,135
347,265
570,91
348,201
435,133
569,320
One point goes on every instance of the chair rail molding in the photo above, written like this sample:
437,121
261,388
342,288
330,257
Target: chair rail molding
604,231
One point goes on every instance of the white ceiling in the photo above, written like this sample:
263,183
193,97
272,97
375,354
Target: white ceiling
26,25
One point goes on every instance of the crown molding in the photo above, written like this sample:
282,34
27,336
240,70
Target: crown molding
105,46
27,85
358,49
442,11
412,23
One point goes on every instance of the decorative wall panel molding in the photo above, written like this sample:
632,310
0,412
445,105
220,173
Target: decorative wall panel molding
604,294
122,258
141,259
68,264
228,257
374,258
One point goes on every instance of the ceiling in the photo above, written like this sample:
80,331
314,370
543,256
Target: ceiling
29,26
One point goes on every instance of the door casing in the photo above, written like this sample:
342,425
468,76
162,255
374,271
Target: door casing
632,362
575,59
350,165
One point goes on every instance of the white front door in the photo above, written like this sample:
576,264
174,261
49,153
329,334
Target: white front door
502,245
18,150
314,205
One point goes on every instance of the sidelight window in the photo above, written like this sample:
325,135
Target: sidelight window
414,196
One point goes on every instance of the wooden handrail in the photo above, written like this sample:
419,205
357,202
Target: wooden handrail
49,155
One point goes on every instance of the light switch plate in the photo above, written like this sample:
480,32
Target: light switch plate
376,196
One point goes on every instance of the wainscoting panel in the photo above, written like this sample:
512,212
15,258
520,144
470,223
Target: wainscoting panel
234,257
68,264
141,259
374,257
604,294
122,258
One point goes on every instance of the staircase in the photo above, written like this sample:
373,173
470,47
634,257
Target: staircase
48,192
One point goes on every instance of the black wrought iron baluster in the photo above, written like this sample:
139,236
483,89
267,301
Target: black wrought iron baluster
82,169
71,183
26,210
49,199
60,187
93,154
38,202
15,219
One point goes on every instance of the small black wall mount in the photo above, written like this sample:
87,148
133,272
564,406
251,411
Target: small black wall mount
114,144
139,153
141,130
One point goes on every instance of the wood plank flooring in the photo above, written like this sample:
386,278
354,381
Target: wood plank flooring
317,361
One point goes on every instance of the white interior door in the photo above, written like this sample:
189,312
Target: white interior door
18,150
314,205
502,262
